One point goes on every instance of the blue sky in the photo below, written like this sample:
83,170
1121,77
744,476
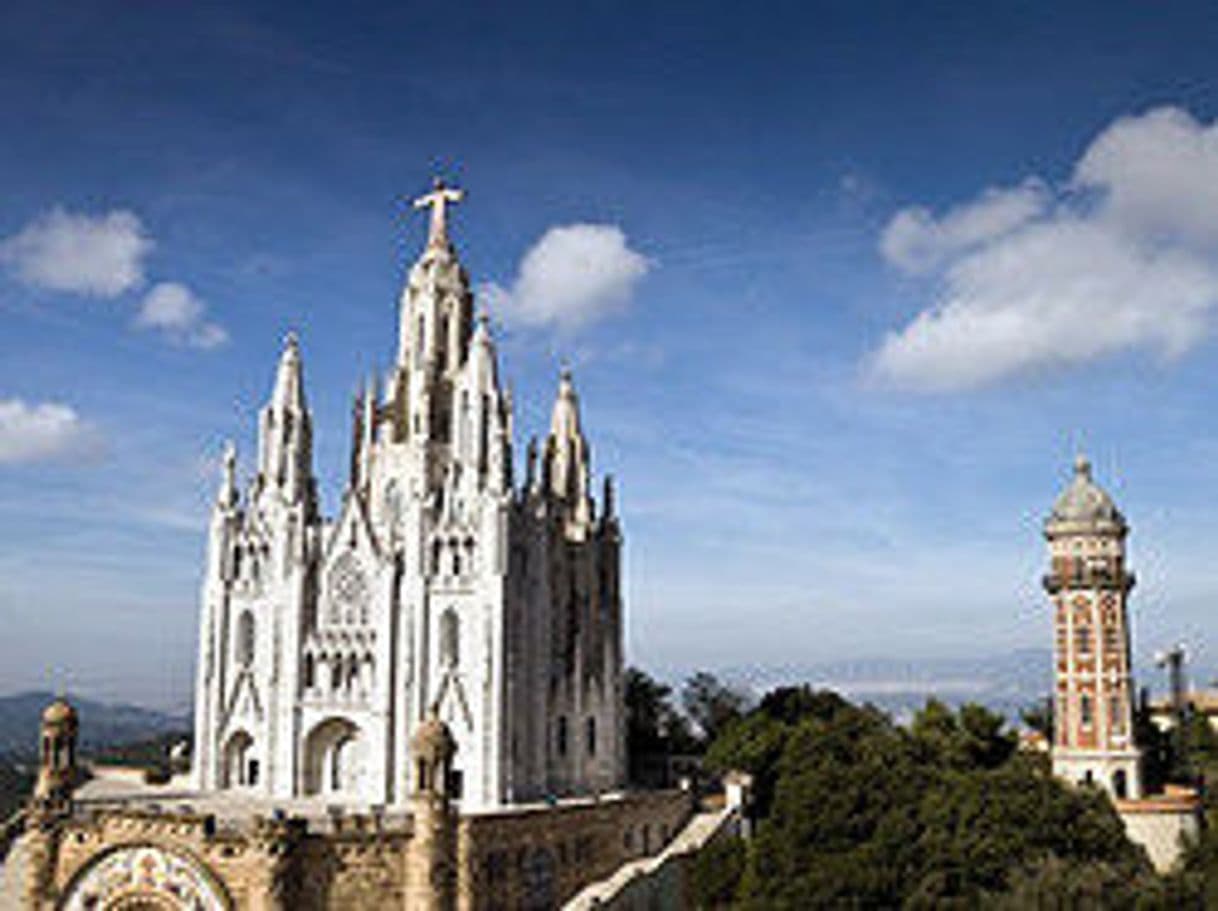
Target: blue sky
900,260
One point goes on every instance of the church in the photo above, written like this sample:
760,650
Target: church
443,588
417,703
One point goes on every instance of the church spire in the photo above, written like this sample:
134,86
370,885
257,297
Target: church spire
227,497
285,444
567,456
289,388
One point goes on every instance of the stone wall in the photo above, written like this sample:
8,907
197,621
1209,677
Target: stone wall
534,857
1161,825
539,858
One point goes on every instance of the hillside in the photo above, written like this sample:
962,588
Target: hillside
103,728
101,724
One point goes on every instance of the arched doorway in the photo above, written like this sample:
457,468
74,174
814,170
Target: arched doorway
334,758
240,768
1120,784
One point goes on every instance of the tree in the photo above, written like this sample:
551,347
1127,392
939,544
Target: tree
1039,717
712,705
654,728
857,811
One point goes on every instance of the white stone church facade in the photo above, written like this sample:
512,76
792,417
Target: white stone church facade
442,587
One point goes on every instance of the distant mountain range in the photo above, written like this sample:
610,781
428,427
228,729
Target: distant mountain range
101,724
1006,683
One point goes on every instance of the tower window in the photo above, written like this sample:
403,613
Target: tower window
245,639
1082,640
450,638
590,732
1084,711
310,671
562,735
1115,721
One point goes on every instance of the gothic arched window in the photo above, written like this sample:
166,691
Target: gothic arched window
245,639
310,671
1084,710
562,735
336,672
590,734
450,638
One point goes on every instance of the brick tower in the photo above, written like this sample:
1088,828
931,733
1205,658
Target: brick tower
1089,587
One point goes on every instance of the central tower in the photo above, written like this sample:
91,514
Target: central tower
441,590
1089,587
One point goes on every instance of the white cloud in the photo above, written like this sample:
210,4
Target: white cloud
918,242
175,310
96,255
572,276
1124,258
48,430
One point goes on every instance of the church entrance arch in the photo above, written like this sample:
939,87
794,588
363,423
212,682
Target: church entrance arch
334,758
240,767
142,877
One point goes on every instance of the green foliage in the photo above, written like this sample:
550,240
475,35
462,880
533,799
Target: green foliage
711,704
653,725
149,752
1052,884
15,786
1039,717
755,743
717,871
855,811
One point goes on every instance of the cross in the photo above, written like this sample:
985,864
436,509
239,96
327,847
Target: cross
437,200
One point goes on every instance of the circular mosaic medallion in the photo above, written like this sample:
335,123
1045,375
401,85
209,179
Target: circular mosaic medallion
144,878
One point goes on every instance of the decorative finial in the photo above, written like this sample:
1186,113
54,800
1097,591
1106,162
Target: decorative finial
228,487
437,200
1082,466
290,341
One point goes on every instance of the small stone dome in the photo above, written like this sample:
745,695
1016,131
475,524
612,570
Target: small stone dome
59,713
1084,502
433,738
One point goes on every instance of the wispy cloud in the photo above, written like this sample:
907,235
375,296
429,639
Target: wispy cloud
177,312
94,255
573,276
1122,258
43,431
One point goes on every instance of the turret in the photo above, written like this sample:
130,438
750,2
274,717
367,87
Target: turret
285,438
224,514
57,754
567,457
364,437
431,858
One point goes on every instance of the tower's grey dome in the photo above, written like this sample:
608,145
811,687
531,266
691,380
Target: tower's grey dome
1084,502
